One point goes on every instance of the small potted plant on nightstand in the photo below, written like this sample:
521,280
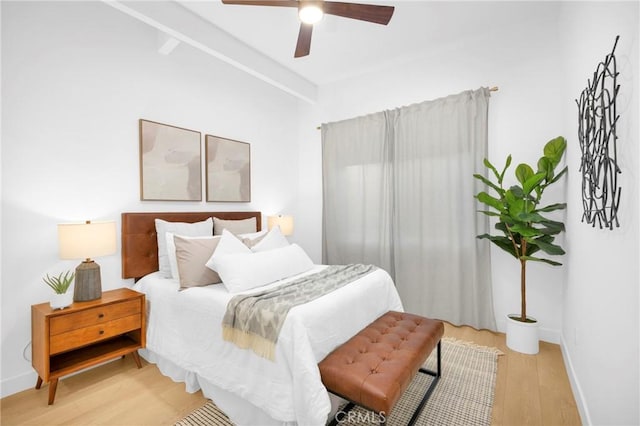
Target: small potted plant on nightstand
60,285
524,231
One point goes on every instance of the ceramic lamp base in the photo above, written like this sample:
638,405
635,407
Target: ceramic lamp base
88,285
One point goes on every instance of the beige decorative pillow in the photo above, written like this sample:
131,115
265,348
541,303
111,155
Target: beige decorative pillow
250,242
242,226
181,228
191,256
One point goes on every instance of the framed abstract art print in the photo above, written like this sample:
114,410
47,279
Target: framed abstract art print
228,169
170,163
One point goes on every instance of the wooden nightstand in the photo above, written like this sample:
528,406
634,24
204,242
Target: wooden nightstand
86,334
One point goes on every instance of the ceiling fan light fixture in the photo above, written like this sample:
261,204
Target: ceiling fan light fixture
310,13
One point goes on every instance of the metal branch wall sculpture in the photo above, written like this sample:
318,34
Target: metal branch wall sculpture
597,120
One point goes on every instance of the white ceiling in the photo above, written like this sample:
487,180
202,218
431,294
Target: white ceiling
342,48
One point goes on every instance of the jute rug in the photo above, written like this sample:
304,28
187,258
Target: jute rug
463,396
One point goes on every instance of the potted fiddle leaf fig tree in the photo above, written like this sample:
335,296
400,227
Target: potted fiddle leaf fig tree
525,230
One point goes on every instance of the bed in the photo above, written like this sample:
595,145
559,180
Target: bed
184,333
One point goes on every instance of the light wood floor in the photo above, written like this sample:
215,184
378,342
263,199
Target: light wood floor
530,390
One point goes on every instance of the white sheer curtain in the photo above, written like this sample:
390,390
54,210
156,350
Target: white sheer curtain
398,193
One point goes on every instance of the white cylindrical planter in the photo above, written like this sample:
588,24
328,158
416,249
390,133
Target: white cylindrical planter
61,301
522,336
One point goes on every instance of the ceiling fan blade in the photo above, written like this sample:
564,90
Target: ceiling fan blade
364,12
285,3
304,40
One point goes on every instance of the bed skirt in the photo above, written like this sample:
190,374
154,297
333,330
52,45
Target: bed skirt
240,411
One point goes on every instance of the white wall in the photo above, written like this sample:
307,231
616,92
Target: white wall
600,307
524,114
76,77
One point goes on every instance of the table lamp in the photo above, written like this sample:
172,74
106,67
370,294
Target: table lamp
84,241
285,223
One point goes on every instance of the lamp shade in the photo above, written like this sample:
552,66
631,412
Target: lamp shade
86,240
285,223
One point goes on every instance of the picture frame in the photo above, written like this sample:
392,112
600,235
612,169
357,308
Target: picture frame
170,162
227,170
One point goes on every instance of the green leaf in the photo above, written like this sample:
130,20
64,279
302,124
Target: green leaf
558,176
503,242
552,227
531,249
523,172
515,203
554,149
488,213
548,248
501,226
535,259
552,207
487,199
525,230
516,192
487,182
532,182
532,217
61,283
546,166
490,166
504,170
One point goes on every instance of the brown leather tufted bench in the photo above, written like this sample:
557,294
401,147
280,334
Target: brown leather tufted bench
374,367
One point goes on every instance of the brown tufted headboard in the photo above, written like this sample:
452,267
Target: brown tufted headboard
140,244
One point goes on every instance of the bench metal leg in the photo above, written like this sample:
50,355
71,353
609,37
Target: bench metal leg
436,377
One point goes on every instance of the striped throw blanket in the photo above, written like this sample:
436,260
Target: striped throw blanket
253,321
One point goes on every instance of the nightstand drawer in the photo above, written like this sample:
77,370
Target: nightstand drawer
93,316
83,336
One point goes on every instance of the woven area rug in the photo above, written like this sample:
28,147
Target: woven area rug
463,396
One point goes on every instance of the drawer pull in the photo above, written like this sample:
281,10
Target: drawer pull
100,315
101,332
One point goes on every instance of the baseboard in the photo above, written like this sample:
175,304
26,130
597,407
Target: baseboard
575,385
549,335
18,383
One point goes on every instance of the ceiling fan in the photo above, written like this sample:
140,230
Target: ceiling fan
311,11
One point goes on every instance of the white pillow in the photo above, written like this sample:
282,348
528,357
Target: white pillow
244,271
204,228
171,253
273,240
229,244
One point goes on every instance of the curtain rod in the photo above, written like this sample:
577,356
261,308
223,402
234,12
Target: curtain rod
491,89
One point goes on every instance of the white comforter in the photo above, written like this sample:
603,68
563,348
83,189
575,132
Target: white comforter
184,327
